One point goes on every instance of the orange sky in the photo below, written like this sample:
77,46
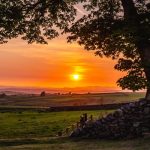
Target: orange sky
52,65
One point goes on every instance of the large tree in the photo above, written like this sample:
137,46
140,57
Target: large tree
119,29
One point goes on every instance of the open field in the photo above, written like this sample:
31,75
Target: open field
39,124
36,130
68,100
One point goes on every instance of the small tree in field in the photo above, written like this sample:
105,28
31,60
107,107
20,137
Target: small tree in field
3,95
119,29
43,94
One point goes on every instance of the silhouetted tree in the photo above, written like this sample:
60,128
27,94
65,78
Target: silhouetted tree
34,19
119,29
3,95
43,94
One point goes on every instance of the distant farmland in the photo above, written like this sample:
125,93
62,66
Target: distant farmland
52,100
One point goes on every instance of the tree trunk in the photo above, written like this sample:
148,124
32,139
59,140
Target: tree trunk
131,15
148,94
146,64
130,12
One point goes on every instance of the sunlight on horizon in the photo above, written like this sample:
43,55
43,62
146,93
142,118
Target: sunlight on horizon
76,77
35,65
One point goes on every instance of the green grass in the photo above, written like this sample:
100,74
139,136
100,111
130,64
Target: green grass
31,130
34,124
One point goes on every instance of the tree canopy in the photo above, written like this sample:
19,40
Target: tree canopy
34,20
119,29
113,31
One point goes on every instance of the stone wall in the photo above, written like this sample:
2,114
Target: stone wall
131,120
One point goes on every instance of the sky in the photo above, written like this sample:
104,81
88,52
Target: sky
56,65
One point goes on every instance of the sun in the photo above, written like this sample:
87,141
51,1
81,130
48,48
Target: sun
76,76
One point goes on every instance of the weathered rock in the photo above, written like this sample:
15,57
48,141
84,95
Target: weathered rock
131,120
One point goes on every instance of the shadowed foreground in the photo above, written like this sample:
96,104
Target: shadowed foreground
76,144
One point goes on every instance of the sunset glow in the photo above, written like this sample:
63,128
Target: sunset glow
52,65
55,65
76,76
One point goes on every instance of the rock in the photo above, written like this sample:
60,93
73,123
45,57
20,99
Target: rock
130,120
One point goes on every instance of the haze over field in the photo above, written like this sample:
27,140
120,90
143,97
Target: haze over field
37,90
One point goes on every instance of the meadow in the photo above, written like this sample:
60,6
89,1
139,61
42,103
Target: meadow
50,100
39,124
29,130
36,130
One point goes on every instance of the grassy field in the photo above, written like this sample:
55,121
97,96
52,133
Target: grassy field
35,130
69,100
34,124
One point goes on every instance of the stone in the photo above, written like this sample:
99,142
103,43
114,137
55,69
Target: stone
147,110
131,120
